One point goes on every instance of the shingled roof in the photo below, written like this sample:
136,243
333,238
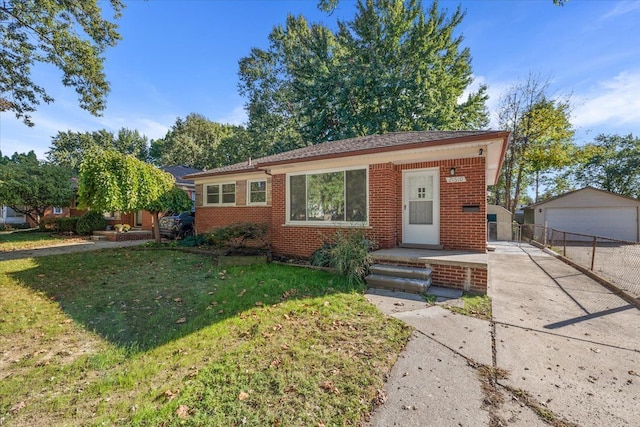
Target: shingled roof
356,146
179,172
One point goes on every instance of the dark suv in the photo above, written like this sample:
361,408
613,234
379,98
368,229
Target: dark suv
175,226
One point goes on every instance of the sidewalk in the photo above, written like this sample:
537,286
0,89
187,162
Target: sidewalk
568,343
66,248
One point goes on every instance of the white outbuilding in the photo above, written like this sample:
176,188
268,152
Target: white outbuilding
589,211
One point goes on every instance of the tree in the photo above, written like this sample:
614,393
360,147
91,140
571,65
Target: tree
611,163
111,181
71,36
392,68
30,186
540,131
196,141
330,5
69,148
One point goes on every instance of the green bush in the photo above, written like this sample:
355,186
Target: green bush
90,222
348,252
191,241
67,224
238,234
48,223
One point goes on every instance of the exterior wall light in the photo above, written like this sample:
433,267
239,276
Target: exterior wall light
452,171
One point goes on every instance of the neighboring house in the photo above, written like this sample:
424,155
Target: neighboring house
9,216
413,189
140,219
589,211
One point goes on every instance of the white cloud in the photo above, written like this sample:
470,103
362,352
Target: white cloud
622,8
237,116
613,102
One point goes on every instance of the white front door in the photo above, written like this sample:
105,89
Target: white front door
421,207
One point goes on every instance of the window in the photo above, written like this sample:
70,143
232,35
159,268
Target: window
57,211
112,215
10,213
257,192
339,196
217,194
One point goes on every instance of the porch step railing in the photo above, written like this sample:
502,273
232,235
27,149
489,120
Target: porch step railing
399,278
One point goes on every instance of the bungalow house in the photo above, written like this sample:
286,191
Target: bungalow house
420,190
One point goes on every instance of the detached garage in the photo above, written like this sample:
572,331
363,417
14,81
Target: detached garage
589,211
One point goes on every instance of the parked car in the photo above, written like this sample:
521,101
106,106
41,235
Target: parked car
177,226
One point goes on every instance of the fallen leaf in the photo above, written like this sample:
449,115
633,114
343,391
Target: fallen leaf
182,412
242,292
170,395
177,299
17,407
243,396
181,320
259,304
40,275
276,362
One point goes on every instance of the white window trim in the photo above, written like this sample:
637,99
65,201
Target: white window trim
219,185
249,202
334,224
57,211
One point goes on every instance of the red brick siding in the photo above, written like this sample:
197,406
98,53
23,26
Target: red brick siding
469,279
209,218
458,230
383,199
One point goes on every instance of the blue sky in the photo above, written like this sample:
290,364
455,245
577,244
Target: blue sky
178,57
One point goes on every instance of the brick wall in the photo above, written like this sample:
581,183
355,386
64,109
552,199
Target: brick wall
458,230
470,279
209,218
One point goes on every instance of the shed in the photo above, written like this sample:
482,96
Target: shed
498,223
589,211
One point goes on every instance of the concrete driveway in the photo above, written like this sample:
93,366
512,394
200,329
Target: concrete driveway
568,348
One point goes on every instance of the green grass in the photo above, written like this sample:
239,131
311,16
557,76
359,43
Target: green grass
22,240
474,305
142,337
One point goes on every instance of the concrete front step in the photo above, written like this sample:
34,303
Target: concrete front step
395,283
400,271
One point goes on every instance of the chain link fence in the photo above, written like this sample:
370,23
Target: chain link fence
615,260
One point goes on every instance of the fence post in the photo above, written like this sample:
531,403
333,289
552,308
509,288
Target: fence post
564,243
593,252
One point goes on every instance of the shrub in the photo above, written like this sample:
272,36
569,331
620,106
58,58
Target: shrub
238,234
191,241
6,227
126,227
66,224
90,222
348,253
48,223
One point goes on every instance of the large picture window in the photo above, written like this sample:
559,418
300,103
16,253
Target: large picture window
224,194
339,196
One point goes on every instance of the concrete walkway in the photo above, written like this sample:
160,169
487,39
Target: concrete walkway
66,248
571,350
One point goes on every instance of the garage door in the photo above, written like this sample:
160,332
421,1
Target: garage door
614,223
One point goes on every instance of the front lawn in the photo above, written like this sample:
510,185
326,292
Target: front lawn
143,337
23,240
